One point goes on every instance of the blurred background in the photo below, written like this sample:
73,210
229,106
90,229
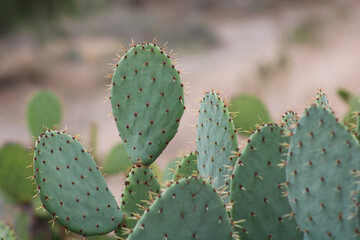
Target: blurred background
271,54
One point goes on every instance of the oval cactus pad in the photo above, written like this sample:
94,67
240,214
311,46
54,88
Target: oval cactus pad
189,209
147,100
71,187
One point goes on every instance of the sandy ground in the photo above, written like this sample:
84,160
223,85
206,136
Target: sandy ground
229,67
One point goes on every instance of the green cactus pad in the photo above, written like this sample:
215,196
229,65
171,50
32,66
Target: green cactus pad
289,121
321,99
139,184
14,171
71,187
6,233
43,111
216,141
147,100
256,192
187,167
189,209
117,161
170,168
249,111
322,158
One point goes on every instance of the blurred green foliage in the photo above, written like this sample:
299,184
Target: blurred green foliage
249,111
14,12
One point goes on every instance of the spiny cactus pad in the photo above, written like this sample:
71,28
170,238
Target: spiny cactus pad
14,160
189,209
43,111
216,140
6,233
289,121
140,187
170,168
187,167
322,158
71,187
117,160
147,100
249,110
321,99
256,188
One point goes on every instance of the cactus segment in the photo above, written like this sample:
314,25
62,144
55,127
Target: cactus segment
147,100
117,161
71,187
14,174
6,233
170,168
256,189
321,99
289,121
187,167
216,141
140,188
189,209
323,157
249,111
43,111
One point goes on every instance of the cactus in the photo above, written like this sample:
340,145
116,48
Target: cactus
170,168
256,190
249,111
6,233
323,157
14,160
354,106
216,141
140,187
147,101
289,121
187,167
71,186
117,161
43,111
189,209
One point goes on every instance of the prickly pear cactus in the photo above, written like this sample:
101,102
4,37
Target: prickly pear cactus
289,121
256,191
170,168
321,99
147,101
249,110
187,167
43,111
6,233
140,188
14,160
71,187
117,161
216,141
323,157
189,209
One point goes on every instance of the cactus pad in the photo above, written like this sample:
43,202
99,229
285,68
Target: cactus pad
71,187
14,160
321,99
147,100
289,121
43,111
189,209
249,111
216,140
256,188
187,167
6,233
117,161
323,156
140,187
